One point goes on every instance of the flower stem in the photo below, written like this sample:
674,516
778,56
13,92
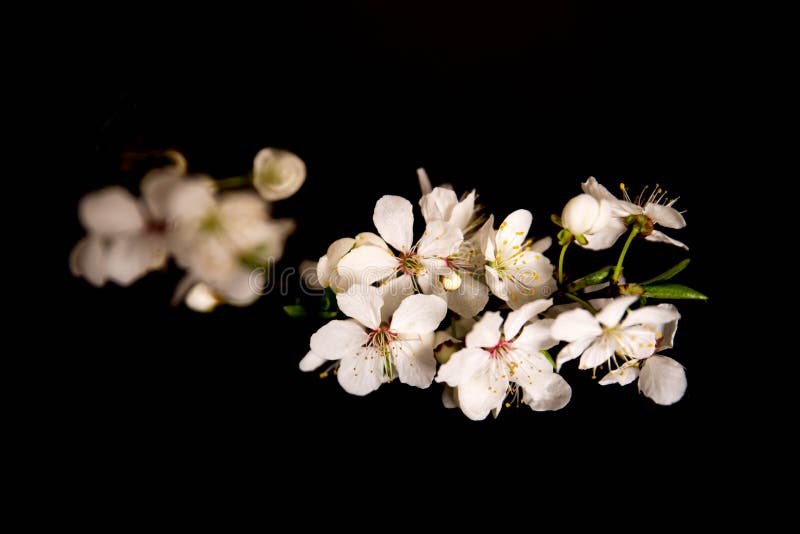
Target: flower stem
561,262
618,268
580,301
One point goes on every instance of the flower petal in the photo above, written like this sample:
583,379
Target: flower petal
637,341
110,211
438,204
598,191
481,394
88,259
419,314
462,212
311,362
335,252
131,257
622,376
497,286
424,181
470,298
394,219
541,245
666,216
440,239
536,337
414,360
572,350
597,353
368,238
156,187
338,339
512,232
449,397
660,237
393,293
486,332
517,319
548,392
575,324
463,366
362,372
607,236
665,333
663,380
613,312
364,265
652,315
362,303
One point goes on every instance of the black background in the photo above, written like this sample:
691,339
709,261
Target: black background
522,103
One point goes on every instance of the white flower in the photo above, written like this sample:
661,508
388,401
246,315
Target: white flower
372,351
517,272
327,266
585,215
126,237
416,264
496,362
602,337
225,242
655,208
277,174
441,204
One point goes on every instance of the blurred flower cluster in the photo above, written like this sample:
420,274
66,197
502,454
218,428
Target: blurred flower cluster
479,307
219,232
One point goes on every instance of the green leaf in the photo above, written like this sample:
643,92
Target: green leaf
672,291
328,314
669,273
295,311
597,277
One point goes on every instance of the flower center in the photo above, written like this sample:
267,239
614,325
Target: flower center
500,350
410,263
381,337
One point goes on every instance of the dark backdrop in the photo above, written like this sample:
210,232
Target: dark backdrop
522,103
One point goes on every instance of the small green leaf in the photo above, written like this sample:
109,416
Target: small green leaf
669,273
327,314
549,358
295,311
556,219
672,291
597,277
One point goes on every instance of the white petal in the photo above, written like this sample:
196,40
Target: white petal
414,360
394,219
88,259
335,252
663,380
598,191
110,211
202,298
481,394
497,286
665,333
652,315
548,392
517,319
131,257
365,265
660,237
311,361
541,245
484,239
573,350
622,376
362,372
637,341
597,353
241,286
419,314
613,312
462,212
368,238
607,236
665,216
463,366
440,239
362,303
575,324
156,187
393,293
486,332
470,298
338,339
190,200
580,213
449,397
438,204
512,232
424,181
536,337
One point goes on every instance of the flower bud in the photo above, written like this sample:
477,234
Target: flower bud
584,214
277,174
452,281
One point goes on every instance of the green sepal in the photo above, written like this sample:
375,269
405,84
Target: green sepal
295,311
556,220
328,301
328,314
550,359
564,237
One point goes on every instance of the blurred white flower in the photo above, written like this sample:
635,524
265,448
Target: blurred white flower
498,361
516,271
224,242
604,337
126,236
372,351
656,209
277,174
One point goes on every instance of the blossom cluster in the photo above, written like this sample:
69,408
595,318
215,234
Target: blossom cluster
479,307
